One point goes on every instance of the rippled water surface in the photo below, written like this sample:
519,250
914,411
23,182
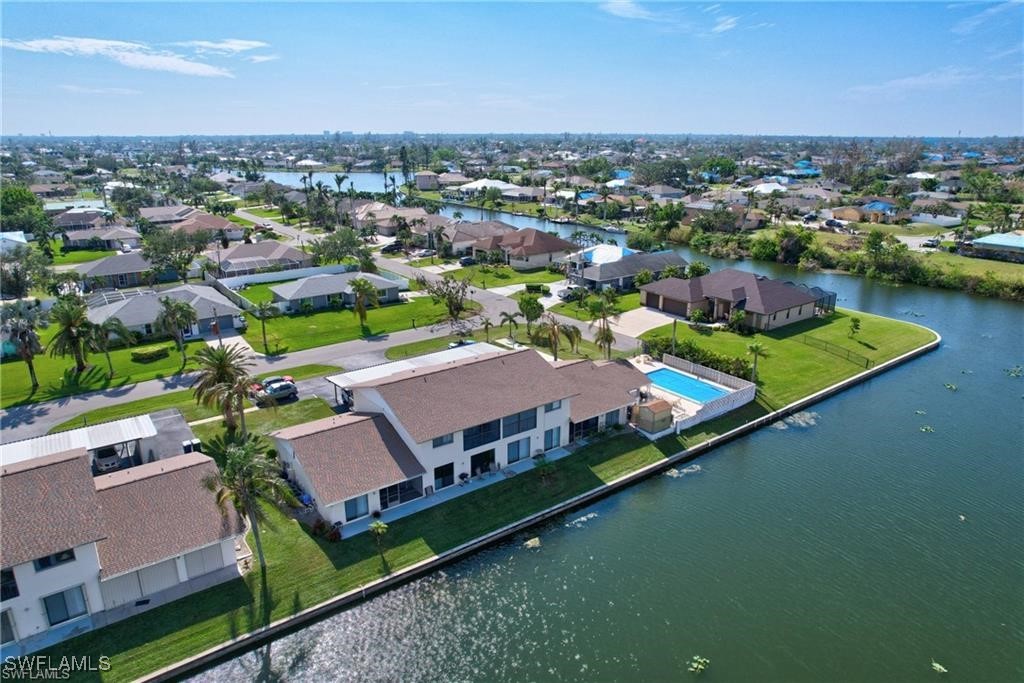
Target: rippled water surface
842,544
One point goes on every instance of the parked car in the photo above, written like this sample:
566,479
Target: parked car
423,253
277,392
932,243
570,292
833,223
265,384
467,261
392,248
107,460
461,342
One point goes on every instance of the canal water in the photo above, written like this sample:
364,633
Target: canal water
857,541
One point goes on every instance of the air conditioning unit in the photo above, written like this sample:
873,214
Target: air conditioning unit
428,491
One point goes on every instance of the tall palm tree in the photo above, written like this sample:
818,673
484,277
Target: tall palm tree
365,293
602,310
74,330
174,316
99,338
487,324
263,312
551,331
757,350
573,335
220,368
19,325
248,480
510,318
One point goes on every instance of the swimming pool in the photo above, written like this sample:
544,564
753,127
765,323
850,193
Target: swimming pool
688,387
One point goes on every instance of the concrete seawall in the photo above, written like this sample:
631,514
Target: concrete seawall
289,624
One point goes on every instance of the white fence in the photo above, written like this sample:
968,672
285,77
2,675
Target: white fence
743,392
934,219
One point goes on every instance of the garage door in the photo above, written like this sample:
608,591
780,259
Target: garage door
203,561
673,306
158,577
120,590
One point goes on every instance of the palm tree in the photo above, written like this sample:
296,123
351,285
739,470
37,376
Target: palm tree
757,350
487,325
457,215
74,330
510,318
19,324
263,312
550,330
220,368
378,529
174,316
247,480
99,338
602,310
365,292
573,335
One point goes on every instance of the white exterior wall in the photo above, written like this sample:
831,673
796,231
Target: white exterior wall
535,260
27,609
779,319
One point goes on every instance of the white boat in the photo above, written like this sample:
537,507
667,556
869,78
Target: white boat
613,228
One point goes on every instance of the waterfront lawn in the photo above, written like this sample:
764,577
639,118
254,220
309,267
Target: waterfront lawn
792,369
573,309
297,332
303,570
57,378
586,348
486,276
269,419
976,266
182,400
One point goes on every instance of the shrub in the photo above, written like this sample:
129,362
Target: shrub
533,287
554,268
698,316
148,354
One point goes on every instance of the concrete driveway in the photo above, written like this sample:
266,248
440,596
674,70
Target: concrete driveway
639,320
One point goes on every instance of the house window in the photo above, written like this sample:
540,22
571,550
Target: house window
122,280
443,440
444,476
554,405
6,627
787,313
356,507
8,585
149,329
481,434
552,438
611,418
54,560
518,450
64,606
520,422
397,494
800,310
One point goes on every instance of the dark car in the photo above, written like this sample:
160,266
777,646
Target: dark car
833,223
392,248
467,261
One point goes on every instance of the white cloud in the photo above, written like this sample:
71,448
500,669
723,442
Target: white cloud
725,24
407,86
259,59
83,90
712,8
627,9
131,54
946,77
1005,53
970,24
227,46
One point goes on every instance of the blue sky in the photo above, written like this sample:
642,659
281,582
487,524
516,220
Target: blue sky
873,69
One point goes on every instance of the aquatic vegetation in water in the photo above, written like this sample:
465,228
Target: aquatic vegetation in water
580,521
951,387
691,469
920,412
1015,371
927,428
532,543
698,664
938,667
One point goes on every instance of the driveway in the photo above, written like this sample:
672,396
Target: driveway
639,320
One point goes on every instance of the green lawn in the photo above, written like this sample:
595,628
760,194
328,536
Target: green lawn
182,400
485,276
297,332
976,266
304,570
65,258
909,230
259,293
272,214
57,378
793,369
244,222
572,309
586,349
266,420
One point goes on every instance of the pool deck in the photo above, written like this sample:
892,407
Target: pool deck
684,404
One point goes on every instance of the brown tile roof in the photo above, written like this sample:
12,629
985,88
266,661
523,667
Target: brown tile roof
348,455
441,399
204,221
761,294
527,242
601,387
159,510
47,504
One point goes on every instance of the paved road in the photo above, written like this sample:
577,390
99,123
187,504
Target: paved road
22,422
